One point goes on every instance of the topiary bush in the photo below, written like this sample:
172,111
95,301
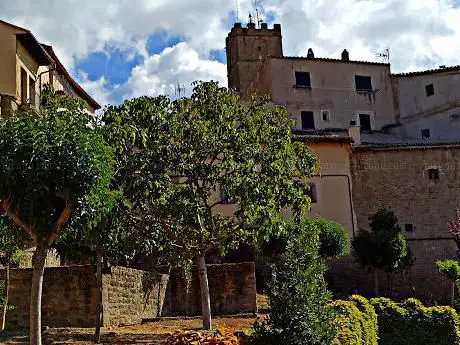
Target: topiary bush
356,320
411,323
333,238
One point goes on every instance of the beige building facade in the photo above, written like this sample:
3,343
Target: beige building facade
403,152
27,66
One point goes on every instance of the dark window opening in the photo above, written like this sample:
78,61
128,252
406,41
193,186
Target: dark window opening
425,133
365,122
325,115
23,86
312,193
32,91
302,80
363,83
308,120
409,227
224,198
433,174
429,90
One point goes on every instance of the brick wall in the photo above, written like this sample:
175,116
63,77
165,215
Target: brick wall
232,289
131,295
397,179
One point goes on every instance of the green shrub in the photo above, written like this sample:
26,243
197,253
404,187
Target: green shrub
357,322
298,298
333,239
410,323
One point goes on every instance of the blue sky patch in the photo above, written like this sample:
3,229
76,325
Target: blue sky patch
114,65
218,55
157,42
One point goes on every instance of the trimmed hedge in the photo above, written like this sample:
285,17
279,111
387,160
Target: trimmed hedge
357,322
410,323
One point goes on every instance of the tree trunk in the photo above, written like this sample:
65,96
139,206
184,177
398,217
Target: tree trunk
376,282
100,307
5,295
35,330
205,298
452,295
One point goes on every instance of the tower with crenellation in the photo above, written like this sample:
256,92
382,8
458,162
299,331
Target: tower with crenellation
247,47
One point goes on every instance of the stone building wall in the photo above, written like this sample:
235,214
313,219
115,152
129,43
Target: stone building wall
232,288
397,178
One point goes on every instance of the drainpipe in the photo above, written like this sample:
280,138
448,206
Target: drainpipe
349,195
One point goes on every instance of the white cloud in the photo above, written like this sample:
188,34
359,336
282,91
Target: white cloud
178,65
420,33
97,88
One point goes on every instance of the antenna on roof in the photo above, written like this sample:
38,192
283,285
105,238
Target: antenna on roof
384,55
258,20
237,12
179,90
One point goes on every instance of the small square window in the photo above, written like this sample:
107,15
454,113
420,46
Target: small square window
365,122
325,115
429,90
409,227
312,193
302,80
308,120
425,133
433,174
363,83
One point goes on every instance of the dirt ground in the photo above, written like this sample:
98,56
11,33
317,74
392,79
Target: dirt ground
151,333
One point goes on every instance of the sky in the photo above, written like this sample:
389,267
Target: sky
120,49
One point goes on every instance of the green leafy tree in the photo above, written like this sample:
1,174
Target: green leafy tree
451,270
333,239
298,298
217,171
55,174
11,243
383,248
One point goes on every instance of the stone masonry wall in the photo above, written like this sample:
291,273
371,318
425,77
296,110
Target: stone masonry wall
131,295
69,297
232,289
397,179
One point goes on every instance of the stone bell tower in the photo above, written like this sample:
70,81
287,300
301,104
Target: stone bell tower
247,48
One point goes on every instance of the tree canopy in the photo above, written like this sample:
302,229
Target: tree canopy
213,171
55,174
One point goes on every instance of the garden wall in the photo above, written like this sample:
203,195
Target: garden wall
232,288
129,295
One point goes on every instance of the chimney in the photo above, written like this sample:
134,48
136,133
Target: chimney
355,132
310,54
264,26
345,55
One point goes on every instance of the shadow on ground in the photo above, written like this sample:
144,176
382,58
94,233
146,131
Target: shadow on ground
84,337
